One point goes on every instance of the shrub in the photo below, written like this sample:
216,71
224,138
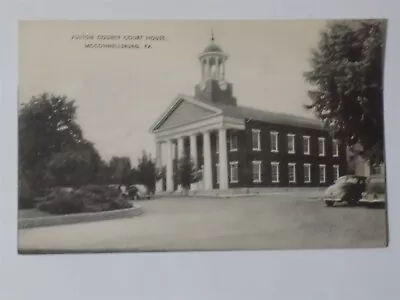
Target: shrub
25,194
25,203
85,199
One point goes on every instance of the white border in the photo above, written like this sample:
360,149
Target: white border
256,275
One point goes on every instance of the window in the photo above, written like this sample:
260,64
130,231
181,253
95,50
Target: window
306,145
274,141
256,139
335,148
233,142
322,173
257,171
217,172
275,172
234,166
307,173
217,145
321,146
335,172
292,172
291,144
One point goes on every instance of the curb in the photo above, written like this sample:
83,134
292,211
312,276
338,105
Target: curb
79,218
250,195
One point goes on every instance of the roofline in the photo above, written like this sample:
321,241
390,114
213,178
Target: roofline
302,121
174,104
225,55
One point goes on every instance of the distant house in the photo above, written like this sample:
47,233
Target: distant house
238,146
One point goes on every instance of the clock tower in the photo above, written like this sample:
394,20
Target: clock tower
213,86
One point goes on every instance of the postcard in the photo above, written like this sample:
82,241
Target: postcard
142,136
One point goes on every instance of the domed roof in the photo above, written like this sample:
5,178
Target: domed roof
213,48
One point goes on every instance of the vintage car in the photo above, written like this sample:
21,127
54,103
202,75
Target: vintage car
375,191
139,191
345,189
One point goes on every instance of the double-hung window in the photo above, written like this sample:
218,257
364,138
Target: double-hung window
321,146
234,171
274,141
336,173
292,172
275,172
307,173
256,171
291,143
335,148
306,145
256,139
322,173
233,142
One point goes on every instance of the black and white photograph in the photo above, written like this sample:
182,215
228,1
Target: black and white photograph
201,135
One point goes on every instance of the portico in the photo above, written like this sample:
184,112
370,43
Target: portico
197,137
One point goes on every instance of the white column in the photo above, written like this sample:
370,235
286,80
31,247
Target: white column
193,149
180,148
169,172
179,155
193,156
217,67
208,68
207,171
158,154
159,183
223,160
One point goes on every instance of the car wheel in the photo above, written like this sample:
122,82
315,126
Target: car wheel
329,203
352,201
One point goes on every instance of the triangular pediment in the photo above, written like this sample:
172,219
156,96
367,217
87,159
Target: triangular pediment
183,111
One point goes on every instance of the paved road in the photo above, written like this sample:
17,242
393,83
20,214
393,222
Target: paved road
268,222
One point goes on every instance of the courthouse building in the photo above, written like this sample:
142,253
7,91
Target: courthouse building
239,146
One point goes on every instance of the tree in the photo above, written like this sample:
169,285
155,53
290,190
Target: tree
347,80
120,170
147,173
47,125
186,173
74,167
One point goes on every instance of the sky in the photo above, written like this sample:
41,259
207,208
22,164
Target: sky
120,92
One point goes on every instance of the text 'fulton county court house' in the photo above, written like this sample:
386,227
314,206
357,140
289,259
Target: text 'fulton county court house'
238,146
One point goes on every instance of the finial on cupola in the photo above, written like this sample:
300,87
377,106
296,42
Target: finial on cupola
212,36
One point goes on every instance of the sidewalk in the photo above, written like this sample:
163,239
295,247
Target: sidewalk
310,193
